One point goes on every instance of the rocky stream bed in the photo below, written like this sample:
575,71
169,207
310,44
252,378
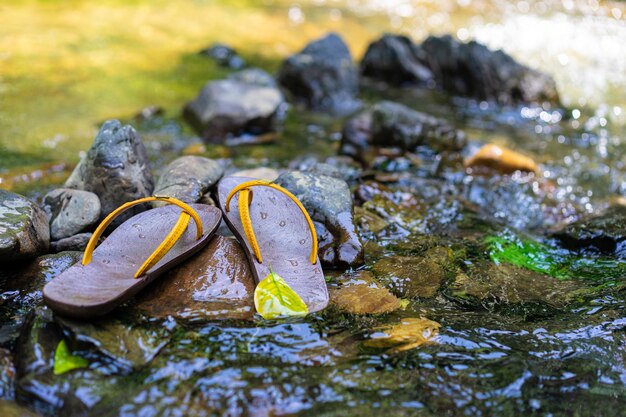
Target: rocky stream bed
465,278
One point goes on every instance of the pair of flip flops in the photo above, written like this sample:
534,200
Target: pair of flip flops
273,227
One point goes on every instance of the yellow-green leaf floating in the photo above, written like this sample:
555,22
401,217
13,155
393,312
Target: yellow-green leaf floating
64,361
274,298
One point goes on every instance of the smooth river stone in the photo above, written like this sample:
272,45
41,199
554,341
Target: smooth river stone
215,284
358,293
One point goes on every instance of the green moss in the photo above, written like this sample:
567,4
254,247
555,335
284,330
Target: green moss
555,262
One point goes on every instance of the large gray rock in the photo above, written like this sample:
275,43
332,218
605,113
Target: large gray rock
329,203
322,76
70,211
390,124
231,108
188,178
116,169
397,60
471,69
24,229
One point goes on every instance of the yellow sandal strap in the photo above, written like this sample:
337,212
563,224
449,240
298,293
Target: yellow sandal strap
245,199
177,231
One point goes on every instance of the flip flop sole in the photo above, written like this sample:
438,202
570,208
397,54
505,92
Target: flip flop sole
284,240
105,283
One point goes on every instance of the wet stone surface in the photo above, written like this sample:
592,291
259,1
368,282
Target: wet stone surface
329,203
188,178
116,169
24,230
358,293
215,284
410,277
70,211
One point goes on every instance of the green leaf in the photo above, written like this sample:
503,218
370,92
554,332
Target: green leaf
65,361
274,298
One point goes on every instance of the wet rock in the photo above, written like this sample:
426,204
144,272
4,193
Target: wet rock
490,285
73,243
224,55
394,124
368,221
227,108
188,178
24,229
502,160
7,376
358,293
35,379
409,334
116,169
341,167
22,285
70,211
397,60
604,233
471,69
255,76
128,345
329,203
263,173
410,276
390,124
322,76
215,284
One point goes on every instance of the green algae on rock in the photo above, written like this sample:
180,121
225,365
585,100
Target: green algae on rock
555,262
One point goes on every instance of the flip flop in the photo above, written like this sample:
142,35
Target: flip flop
287,241
126,261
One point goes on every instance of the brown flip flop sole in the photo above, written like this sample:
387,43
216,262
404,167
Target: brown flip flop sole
98,287
283,237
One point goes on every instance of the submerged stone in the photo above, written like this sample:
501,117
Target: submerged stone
471,69
500,159
24,284
24,229
129,345
116,169
188,178
358,293
490,284
329,203
322,76
601,233
396,60
70,211
409,334
217,283
414,276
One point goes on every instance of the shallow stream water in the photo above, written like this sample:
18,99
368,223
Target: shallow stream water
66,67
